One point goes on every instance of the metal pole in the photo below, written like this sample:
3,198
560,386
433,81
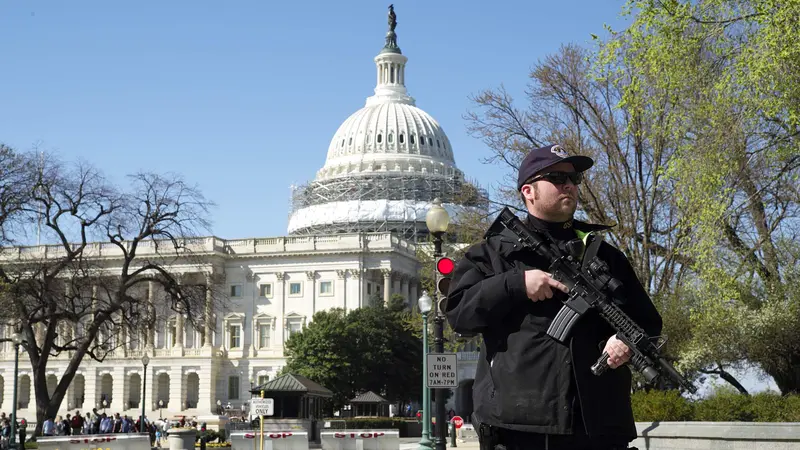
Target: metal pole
12,440
144,396
438,343
441,424
425,441
262,426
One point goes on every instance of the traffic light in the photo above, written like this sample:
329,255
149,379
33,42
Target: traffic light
444,272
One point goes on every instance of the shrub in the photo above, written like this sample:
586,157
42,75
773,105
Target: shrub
792,406
769,407
655,406
725,405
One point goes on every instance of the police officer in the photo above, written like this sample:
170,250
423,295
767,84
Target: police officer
530,391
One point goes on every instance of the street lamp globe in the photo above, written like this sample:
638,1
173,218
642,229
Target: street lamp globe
437,220
16,338
425,303
145,360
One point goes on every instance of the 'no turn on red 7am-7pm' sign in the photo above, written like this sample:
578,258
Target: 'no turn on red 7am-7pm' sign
442,371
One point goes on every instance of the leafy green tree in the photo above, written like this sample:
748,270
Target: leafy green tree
732,70
366,349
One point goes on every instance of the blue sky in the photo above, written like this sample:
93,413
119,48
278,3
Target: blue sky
243,99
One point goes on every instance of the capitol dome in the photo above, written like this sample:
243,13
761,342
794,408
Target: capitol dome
388,136
385,164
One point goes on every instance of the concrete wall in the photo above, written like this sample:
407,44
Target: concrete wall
717,435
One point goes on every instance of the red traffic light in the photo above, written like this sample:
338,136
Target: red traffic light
445,266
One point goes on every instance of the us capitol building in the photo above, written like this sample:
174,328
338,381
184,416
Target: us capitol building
352,235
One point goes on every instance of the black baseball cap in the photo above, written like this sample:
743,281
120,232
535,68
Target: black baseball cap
544,157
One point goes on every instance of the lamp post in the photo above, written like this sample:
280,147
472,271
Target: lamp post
437,220
425,303
16,339
145,362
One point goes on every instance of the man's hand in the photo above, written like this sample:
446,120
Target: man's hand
618,352
539,285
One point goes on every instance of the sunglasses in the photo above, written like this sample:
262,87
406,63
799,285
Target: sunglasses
561,177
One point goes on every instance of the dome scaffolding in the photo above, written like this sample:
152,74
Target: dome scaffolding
377,203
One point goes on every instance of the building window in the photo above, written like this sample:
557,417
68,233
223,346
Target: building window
390,138
430,141
293,326
401,138
412,139
380,138
263,379
172,334
236,290
264,332
235,336
296,289
369,288
233,388
265,290
326,288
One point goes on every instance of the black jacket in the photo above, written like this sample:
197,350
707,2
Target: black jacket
526,380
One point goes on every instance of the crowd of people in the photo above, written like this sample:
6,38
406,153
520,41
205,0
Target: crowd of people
93,423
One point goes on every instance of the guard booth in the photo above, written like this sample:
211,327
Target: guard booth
367,404
299,404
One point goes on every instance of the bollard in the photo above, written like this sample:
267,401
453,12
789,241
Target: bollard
453,435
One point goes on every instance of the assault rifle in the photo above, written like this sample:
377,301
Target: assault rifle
589,284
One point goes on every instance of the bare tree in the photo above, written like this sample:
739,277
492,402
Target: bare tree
15,189
107,271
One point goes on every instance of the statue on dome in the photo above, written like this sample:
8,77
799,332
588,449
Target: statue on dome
392,18
391,37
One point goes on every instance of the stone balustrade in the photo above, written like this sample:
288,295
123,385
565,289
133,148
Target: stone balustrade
211,244
717,435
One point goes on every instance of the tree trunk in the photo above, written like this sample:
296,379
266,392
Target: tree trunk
788,380
725,375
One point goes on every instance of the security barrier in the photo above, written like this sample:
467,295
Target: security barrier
131,441
361,440
273,440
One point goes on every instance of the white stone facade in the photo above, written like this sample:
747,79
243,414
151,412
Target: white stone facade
272,286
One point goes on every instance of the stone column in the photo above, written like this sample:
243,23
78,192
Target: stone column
342,275
176,384
209,313
396,280
179,326
149,333
359,287
207,388
387,285
413,292
312,277
404,287
118,389
90,397
281,276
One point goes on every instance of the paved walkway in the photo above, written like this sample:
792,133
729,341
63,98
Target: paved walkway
413,444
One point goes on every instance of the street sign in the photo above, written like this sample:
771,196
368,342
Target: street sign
262,406
442,371
458,422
